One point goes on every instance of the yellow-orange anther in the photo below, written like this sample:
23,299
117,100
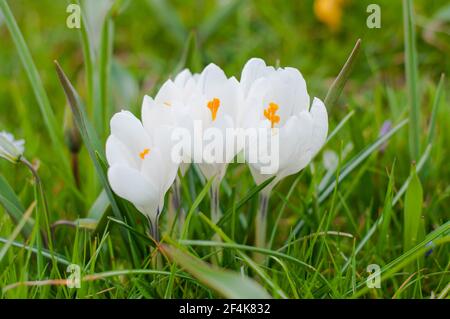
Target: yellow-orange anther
213,106
270,114
144,153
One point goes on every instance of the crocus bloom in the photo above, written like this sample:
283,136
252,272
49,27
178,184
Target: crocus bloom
276,100
277,103
140,169
215,104
11,149
171,107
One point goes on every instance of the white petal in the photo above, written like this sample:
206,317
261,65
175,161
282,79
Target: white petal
154,114
169,167
297,83
211,80
168,93
253,69
117,153
131,185
302,154
182,78
130,132
320,125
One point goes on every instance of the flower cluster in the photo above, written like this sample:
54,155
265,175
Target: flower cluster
274,100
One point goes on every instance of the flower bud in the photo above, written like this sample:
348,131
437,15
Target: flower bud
11,149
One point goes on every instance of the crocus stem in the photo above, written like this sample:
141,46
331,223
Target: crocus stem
154,227
261,220
214,195
45,232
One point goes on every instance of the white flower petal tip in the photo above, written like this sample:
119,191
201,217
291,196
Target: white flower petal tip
10,148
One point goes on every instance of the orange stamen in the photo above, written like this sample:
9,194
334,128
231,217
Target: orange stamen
144,153
270,114
213,106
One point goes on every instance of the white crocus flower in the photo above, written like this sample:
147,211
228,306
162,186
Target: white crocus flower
11,149
171,107
215,104
277,103
140,169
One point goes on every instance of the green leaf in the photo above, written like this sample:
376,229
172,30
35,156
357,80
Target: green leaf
358,159
90,139
413,211
227,283
412,79
252,193
38,88
13,206
194,206
438,237
20,225
338,85
436,103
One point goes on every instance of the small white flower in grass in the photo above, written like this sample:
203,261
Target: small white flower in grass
277,103
11,149
140,169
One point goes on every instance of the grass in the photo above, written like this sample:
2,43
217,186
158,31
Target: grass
385,202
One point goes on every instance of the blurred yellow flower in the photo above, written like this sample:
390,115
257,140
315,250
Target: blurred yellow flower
329,12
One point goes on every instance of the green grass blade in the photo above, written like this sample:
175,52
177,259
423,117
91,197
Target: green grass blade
253,265
423,159
338,85
227,283
438,237
412,78
89,137
413,211
14,207
399,194
194,206
20,225
252,193
43,252
434,112
340,126
358,159
36,83
101,114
